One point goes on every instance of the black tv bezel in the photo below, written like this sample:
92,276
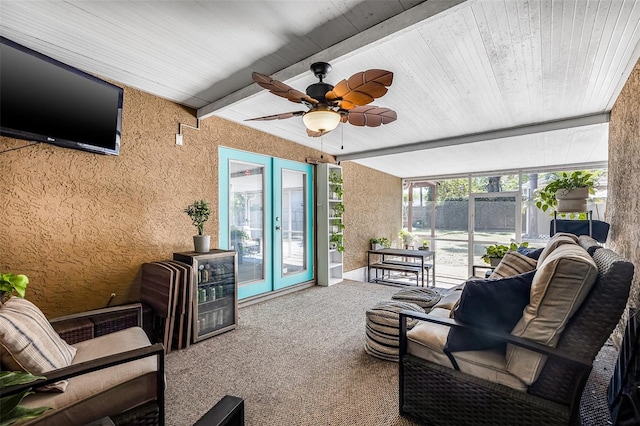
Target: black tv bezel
83,146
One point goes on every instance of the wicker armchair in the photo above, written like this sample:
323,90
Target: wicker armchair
116,372
439,395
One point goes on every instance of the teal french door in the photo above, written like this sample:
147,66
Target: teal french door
266,215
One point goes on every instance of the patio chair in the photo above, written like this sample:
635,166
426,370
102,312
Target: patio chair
119,374
439,394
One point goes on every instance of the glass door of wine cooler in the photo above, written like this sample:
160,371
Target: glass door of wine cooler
215,306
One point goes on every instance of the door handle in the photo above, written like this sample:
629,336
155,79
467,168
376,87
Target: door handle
277,227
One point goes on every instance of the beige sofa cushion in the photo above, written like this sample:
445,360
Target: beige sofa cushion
104,392
427,341
559,286
555,241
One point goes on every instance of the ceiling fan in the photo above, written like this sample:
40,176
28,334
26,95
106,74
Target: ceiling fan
347,102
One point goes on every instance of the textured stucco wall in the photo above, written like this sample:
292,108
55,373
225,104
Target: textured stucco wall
623,201
373,208
81,224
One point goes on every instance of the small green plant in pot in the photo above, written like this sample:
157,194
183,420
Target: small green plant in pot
199,213
12,283
568,192
378,243
495,252
407,237
336,242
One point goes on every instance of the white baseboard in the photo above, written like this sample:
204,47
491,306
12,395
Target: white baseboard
356,274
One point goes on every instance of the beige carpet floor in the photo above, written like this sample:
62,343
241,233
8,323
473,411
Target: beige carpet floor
299,360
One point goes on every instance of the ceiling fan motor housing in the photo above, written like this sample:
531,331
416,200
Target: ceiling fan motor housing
318,90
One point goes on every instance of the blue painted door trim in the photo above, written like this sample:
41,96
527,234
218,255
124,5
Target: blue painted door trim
278,166
273,279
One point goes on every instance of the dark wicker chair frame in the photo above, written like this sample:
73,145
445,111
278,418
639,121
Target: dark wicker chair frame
438,395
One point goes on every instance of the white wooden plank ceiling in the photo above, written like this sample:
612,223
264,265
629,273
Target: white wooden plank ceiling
460,68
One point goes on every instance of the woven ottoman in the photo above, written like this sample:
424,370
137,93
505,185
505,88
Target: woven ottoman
383,323
423,297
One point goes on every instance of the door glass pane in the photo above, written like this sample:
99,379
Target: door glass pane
293,222
246,219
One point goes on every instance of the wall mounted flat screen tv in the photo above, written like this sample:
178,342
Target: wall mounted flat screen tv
44,100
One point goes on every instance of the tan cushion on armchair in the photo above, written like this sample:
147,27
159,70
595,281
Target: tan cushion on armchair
561,283
427,341
104,392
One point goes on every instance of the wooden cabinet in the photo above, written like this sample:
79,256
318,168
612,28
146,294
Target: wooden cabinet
215,298
329,192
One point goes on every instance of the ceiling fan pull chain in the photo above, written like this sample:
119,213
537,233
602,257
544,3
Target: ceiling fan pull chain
342,134
321,146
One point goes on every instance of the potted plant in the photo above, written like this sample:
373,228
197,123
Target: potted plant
336,242
407,237
425,245
568,193
335,179
238,234
379,243
495,252
199,213
338,210
12,283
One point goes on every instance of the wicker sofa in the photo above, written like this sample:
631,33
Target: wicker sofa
512,384
115,371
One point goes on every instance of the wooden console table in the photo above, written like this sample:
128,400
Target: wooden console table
389,262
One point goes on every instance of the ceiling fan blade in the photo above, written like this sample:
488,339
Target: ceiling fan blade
361,88
277,116
371,116
314,134
279,88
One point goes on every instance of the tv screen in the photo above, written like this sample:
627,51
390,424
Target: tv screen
44,100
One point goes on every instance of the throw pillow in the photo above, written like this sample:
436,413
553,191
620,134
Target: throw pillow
493,304
29,341
589,244
513,263
530,252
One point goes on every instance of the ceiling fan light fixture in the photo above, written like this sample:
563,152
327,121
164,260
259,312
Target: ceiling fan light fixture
321,120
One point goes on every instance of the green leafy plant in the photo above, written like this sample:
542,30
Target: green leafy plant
238,234
497,251
338,210
383,241
338,240
407,237
12,283
545,197
199,213
12,411
335,179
